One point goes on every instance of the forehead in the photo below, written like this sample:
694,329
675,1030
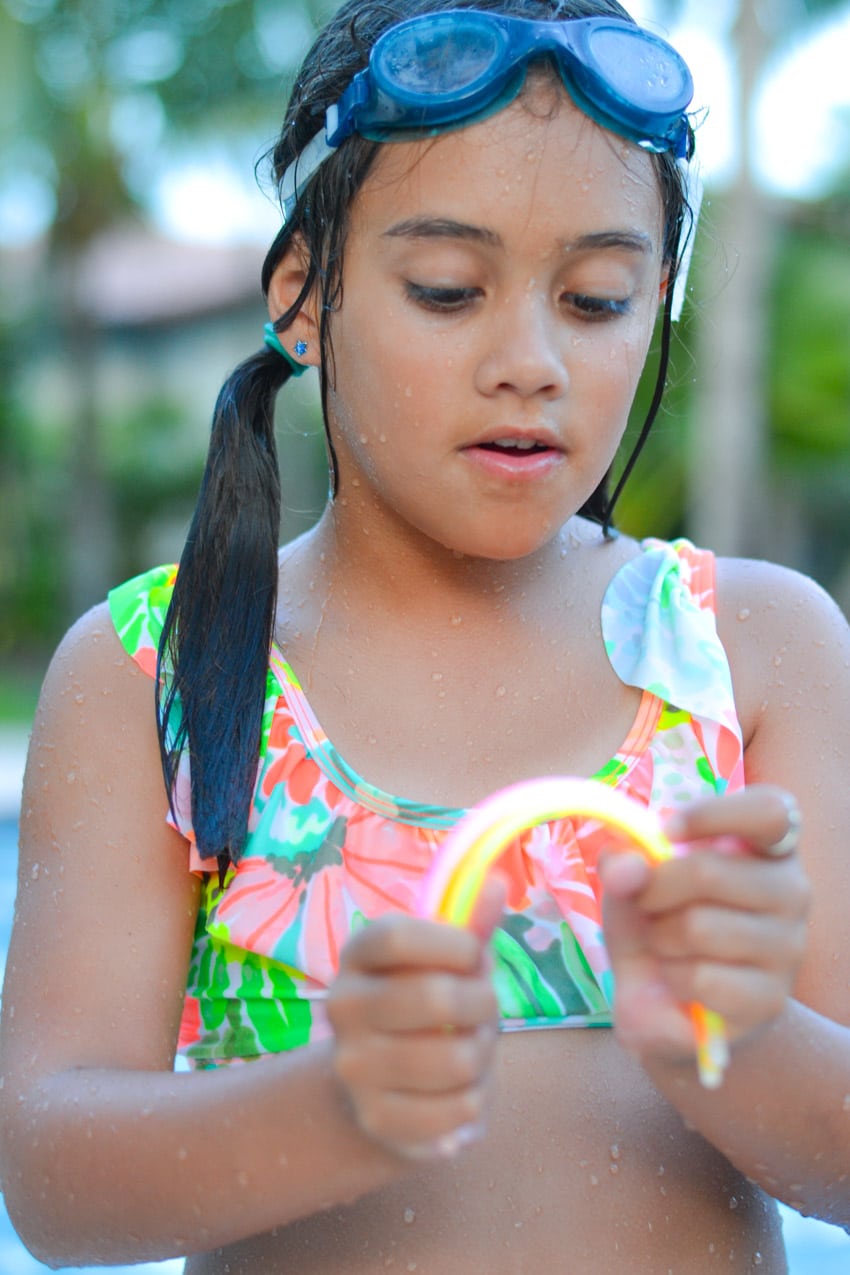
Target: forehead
538,161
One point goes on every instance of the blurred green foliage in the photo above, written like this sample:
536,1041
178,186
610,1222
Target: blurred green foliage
95,95
807,392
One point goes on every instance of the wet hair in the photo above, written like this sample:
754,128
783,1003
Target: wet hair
213,655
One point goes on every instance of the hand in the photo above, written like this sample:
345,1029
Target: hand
415,1018
724,925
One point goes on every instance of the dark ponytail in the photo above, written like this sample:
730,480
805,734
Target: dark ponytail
213,654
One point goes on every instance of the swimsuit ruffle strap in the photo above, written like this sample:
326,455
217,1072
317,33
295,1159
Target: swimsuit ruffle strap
660,633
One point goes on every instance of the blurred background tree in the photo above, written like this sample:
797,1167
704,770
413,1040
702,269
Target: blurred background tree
763,370
113,341
97,96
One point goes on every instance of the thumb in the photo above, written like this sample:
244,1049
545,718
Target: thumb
489,906
623,877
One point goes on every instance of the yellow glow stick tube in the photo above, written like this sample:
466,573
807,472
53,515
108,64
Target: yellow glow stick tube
485,832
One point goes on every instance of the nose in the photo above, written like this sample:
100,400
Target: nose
524,350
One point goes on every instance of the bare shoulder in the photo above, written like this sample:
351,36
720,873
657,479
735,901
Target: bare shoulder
91,652
787,640
789,649
105,901
96,707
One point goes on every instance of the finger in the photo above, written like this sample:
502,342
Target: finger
764,817
489,907
624,875
709,933
417,1126
435,1062
737,882
745,996
410,1002
400,942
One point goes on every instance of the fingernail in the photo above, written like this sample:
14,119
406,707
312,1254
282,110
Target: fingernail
674,827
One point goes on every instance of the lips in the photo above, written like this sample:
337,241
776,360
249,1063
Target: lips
522,442
519,445
512,454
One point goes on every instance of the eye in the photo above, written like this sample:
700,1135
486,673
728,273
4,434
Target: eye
597,309
444,300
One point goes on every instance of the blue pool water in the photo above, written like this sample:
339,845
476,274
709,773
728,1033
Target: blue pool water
813,1247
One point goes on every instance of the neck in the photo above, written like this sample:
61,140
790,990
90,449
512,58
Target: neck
413,573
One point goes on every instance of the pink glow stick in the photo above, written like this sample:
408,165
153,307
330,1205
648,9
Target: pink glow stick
485,832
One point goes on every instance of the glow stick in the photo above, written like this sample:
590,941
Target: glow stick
479,839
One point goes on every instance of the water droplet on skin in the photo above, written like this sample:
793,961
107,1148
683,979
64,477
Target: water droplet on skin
500,691
615,1152
733,1202
408,391
79,699
744,613
594,1180
846,1104
613,1168
757,1259
35,870
409,1216
71,777
456,620
436,677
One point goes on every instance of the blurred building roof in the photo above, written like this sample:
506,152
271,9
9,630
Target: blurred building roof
131,276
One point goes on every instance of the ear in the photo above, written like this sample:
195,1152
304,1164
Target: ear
285,287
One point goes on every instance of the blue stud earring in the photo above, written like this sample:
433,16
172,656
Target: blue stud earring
273,341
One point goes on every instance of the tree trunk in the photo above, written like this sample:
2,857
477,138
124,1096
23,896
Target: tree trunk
727,451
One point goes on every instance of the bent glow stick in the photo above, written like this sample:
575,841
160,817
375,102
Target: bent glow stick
479,839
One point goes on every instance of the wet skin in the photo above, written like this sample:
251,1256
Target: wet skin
500,287
584,1168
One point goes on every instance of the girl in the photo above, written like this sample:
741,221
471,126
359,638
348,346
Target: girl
479,228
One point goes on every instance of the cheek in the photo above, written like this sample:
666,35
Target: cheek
611,362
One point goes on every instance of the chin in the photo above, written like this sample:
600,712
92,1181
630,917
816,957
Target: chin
506,545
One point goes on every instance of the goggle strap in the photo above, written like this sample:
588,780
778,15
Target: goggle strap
301,170
693,188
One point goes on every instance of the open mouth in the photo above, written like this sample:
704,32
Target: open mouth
514,447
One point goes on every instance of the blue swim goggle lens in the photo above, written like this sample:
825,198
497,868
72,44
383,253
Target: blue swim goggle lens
444,70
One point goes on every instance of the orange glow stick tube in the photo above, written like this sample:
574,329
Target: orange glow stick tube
485,832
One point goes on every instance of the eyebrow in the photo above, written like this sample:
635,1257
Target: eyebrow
445,228
630,240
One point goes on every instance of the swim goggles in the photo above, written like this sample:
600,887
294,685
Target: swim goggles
438,71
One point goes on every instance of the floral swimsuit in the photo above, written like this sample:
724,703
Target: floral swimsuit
328,852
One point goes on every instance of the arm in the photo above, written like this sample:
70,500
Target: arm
108,1155
730,930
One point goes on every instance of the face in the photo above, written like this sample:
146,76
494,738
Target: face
500,286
